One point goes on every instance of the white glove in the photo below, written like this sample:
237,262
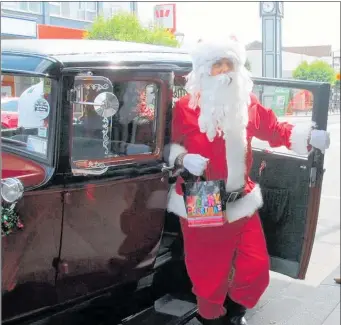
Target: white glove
320,139
195,164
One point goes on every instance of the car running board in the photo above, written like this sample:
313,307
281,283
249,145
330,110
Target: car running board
168,310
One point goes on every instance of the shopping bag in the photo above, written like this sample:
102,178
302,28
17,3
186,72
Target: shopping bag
204,202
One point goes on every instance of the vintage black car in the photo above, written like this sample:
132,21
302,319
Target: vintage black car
86,238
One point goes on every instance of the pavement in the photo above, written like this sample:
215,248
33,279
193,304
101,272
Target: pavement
315,300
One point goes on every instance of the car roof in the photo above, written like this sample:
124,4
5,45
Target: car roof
54,47
72,51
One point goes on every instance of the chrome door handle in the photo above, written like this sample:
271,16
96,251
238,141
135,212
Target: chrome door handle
166,168
166,171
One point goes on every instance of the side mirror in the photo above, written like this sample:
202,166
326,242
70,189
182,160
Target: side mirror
106,104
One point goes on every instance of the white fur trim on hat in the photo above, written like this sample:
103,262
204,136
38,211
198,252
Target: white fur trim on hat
206,53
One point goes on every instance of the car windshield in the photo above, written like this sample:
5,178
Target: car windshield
27,109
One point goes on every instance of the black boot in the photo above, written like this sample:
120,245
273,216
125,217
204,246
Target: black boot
235,313
216,321
235,320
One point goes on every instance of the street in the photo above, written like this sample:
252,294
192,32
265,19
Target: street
316,300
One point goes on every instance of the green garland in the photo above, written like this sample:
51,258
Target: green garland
10,220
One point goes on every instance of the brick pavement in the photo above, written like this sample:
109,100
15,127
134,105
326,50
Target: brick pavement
291,302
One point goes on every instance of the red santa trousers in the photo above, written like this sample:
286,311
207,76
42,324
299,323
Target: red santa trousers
228,260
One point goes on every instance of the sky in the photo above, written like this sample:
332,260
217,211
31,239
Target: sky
304,23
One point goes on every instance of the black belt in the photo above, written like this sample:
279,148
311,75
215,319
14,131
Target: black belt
230,197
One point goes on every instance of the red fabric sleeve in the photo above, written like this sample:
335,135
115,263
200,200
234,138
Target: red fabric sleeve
178,133
266,127
177,139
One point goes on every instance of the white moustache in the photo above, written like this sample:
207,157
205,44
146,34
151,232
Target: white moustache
222,103
216,81
222,79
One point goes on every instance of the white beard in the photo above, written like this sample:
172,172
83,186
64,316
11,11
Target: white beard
223,103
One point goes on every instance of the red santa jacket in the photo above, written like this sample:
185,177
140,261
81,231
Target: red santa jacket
263,124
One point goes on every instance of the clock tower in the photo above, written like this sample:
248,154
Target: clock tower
271,13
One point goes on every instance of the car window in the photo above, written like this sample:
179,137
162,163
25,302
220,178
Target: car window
129,128
290,105
179,87
9,106
34,99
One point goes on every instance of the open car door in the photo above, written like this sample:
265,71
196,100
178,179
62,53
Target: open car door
291,184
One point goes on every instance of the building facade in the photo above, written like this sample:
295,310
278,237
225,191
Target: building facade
291,57
23,19
290,61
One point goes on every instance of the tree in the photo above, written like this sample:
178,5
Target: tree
316,71
248,65
127,27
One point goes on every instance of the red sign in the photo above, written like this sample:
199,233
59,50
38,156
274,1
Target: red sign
162,13
165,16
57,32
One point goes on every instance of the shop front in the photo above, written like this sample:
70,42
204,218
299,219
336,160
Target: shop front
28,28
18,28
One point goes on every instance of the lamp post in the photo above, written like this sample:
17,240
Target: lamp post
336,60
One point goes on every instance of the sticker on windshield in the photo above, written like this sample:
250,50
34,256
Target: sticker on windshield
42,132
47,86
37,145
41,108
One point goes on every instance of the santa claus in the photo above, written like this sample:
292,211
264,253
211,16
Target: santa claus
212,129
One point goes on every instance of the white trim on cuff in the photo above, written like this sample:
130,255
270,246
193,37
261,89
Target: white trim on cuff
174,151
299,138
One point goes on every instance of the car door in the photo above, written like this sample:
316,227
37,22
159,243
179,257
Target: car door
115,196
291,184
31,225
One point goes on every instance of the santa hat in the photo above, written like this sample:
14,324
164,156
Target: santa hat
206,54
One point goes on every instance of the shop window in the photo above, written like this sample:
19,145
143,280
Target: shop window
10,5
110,9
74,10
55,8
28,6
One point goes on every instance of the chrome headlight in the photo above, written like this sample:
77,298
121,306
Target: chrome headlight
11,190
